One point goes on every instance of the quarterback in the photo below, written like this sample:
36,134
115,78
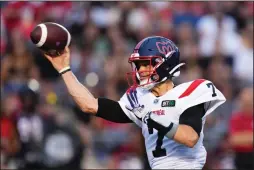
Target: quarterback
171,117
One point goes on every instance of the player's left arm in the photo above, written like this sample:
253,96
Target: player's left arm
188,129
190,126
201,102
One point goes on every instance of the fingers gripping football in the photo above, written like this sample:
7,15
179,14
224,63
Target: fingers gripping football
60,62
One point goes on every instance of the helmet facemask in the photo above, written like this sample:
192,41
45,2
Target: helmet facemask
151,77
160,70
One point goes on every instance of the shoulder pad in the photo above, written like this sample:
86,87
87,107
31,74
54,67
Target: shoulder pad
199,91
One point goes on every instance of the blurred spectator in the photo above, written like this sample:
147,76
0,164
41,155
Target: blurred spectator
47,141
187,12
27,121
62,145
186,41
243,55
216,29
3,39
18,65
10,144
241,130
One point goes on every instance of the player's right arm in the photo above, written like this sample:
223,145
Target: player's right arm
81,95
101,107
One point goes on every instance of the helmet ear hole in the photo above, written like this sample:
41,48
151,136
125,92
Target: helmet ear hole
165,67
154,77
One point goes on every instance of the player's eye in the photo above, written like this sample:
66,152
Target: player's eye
142,63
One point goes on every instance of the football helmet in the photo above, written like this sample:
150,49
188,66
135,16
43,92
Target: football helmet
164,57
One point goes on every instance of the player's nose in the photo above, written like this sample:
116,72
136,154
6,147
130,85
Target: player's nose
144,68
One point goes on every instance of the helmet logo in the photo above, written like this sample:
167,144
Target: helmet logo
164,47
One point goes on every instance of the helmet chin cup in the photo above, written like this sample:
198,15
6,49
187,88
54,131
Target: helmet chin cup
148,86
149,83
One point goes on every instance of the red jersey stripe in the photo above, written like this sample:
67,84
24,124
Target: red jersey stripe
192,87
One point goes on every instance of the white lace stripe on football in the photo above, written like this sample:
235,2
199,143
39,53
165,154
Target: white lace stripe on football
69,35
44,33
68,39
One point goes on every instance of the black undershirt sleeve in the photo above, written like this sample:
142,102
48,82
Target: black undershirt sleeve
111,110
193,117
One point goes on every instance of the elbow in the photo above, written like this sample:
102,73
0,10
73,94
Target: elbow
192,140
91,107
186,136
90,110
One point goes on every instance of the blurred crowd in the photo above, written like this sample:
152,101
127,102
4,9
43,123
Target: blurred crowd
42,127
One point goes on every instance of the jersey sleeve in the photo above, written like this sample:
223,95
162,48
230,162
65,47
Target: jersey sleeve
111,110
206,93
123,102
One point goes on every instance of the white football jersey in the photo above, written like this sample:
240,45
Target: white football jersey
165,153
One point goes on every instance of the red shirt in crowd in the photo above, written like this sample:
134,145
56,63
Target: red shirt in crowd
7,128
241,122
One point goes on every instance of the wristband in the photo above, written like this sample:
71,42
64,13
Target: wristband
64,70
172,130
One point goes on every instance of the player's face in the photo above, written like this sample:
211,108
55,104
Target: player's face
144,68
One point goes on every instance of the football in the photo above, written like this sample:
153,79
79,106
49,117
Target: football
51,38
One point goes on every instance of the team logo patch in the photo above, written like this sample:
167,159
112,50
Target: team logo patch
168,103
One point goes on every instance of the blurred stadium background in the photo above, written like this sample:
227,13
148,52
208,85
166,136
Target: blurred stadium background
41,127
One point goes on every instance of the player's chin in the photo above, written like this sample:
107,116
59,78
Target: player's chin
143,81
144,78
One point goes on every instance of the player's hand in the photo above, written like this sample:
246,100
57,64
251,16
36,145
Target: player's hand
138,109
61,61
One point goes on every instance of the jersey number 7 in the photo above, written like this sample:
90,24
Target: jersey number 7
213,88
151,124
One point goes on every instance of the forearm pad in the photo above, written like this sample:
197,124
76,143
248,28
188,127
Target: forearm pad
172,130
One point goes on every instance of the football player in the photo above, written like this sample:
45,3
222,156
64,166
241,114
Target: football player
171,117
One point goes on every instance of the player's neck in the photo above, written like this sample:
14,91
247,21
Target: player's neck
162,88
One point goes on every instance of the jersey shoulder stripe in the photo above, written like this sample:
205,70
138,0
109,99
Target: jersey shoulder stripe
191,88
